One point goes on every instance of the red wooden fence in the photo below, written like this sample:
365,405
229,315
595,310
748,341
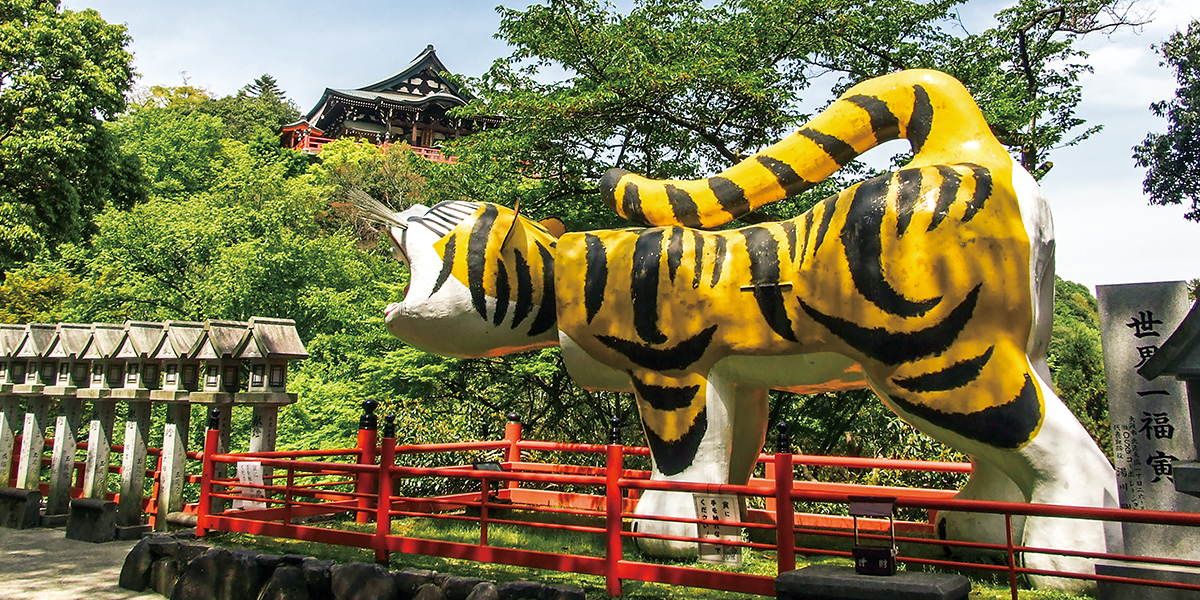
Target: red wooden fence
307,484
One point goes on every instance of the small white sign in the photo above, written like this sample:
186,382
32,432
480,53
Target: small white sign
713,510
250,473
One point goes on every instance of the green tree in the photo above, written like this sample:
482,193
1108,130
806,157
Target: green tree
61,74
177,148
259,106
682,89
1077,359
1172,159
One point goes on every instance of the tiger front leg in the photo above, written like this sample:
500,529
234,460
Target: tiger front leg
700,430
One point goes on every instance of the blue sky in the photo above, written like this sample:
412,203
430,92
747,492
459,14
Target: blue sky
1106,232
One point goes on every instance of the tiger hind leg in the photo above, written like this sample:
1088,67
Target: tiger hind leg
1058,464
733,419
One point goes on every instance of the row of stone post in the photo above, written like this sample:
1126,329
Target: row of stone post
215,363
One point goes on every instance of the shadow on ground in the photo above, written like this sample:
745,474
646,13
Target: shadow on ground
43,564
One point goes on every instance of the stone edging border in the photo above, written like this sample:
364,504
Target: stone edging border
181,568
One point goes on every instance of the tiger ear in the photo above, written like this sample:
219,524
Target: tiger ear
554,226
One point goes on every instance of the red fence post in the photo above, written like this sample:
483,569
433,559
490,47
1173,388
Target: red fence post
1012,559
155,490
785,519
612,509
212,438
368,434
383,507
512,435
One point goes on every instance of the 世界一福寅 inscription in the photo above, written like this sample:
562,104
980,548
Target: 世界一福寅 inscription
1151,427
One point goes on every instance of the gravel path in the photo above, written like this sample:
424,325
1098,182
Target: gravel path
43,564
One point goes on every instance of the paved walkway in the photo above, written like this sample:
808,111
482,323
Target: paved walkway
43,564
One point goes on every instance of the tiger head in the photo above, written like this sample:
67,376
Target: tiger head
481,280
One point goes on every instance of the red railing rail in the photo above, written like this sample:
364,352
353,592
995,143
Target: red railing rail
305,141
320,488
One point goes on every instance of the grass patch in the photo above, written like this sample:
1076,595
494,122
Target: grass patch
558,542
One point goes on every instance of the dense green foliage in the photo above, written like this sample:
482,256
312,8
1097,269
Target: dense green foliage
217,221
61,73
1172,159
682,89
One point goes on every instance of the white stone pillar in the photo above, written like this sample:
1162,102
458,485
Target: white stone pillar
33,442
174,461
263,427
62,462
133,465
1151,424
8,426
100,432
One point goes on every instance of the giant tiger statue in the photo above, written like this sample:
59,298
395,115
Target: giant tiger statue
933,285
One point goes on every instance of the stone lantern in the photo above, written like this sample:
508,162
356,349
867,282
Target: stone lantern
33,350
74,371
181,377
108,373
271,345
138,350
181,368
10,341
67,349
268,348
43,369
218,349
13,367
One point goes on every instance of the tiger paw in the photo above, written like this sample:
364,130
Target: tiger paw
666,505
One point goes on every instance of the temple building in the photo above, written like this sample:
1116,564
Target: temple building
409,106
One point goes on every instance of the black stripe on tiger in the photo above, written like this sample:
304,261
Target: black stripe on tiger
481,232
643,285
674,251
664,398
893,348
1008,425
863,243
785,175
596,278
546,317
729,195
447,265
680,356
789,229
718,260
838,150
908,191
524,303
683,207
920,122
947,191
827,207
883,122
808,231
698,259
502,291
763,251
983,190
675,456
955,376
